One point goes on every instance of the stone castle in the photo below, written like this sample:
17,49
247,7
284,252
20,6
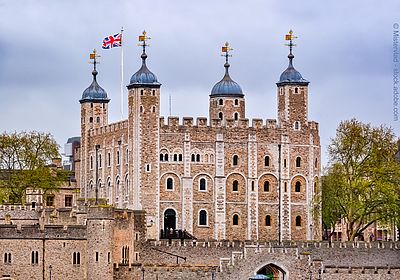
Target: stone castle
219,178
205,199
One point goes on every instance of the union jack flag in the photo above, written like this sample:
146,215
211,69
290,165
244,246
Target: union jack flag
112,41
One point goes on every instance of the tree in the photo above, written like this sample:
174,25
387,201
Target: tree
362,184
25,163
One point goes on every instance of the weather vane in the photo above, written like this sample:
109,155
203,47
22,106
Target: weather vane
94,57
143,38
289,37
226,49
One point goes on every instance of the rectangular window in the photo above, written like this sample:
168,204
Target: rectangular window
35,257
50,200
109,257
7,258
68,201
97,256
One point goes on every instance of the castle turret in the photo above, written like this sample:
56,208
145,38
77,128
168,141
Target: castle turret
144,114
226,98
94,114
292,95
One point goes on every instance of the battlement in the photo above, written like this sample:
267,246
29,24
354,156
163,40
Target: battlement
274,244
188,122
361,270
313,125
77,232
113,127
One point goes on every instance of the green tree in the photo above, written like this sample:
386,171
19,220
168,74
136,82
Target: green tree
362,184
25,163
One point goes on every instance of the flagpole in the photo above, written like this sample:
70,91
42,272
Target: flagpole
122,74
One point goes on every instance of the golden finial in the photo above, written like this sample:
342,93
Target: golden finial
290,37
93,56
226,49
143,38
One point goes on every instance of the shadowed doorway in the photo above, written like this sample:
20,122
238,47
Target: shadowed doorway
169,220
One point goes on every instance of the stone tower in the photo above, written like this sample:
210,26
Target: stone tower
226,98
94,114
143,119
292,96
293,121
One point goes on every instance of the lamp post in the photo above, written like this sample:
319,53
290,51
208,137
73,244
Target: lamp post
97,147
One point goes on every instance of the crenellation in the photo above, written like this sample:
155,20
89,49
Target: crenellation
271,124
201,122
257,123
187,121
173,121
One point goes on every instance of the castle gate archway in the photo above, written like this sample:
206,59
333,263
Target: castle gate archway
270,272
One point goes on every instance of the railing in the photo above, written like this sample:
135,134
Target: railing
175,234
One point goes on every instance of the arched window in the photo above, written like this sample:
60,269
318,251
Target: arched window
193,157
316,163
296,125
141,109
180,157
203,218
109,159
161,157
117,157
220,102
198,158
202,186
98,119
298,221
235,160
235,186
296,90
266,161
76,258
297,187
315,188
221,116
126,189
235,220
175,157
91,162
117,190
153,109
141,92
166,157
266,186
236,116
298,162
100,161
268,220
170,184
236,102
91,119
285,187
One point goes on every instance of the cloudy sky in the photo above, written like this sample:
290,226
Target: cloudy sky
345,49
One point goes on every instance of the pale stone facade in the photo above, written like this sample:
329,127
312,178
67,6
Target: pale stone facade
219,178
